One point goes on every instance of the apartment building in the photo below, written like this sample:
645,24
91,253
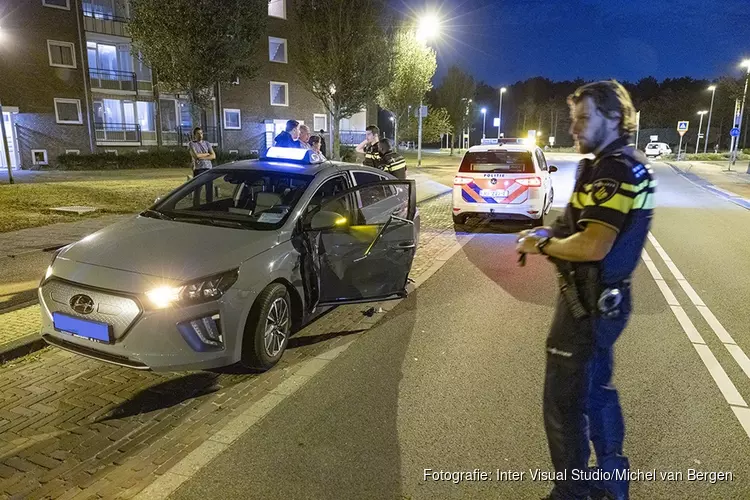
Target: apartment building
70,82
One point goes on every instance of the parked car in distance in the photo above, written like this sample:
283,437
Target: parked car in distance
654,149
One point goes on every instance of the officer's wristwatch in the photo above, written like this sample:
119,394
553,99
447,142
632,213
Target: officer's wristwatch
541,243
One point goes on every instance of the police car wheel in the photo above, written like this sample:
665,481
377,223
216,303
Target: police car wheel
267,329
460,219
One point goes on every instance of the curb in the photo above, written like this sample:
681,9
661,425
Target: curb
704,184
21,347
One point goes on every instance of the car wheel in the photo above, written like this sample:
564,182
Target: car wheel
460,219
268,328
540,221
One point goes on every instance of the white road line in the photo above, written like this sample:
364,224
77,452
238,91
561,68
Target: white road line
721,379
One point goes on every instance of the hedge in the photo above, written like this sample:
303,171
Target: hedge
152,159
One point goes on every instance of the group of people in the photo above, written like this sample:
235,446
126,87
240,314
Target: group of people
295,135
379,154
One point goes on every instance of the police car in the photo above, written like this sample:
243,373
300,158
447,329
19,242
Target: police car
507,181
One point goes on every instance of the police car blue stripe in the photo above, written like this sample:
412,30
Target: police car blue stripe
477,190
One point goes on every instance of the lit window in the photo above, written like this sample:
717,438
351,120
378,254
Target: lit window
277,8
277,49
61,54
72,151
57,4
39,156
279,94
68,111
232,119
112,152
320,122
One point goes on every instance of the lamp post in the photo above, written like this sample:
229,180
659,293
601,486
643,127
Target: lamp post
395,125
484,122
500,113
700,124
3,136
745,63
428,28
712,88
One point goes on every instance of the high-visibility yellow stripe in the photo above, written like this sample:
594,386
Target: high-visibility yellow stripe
618,202
644,201
634,188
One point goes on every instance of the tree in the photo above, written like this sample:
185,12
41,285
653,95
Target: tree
192,45
411,72
437,123
455,90
342,53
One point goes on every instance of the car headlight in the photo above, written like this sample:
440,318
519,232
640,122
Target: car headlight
48,274
193,292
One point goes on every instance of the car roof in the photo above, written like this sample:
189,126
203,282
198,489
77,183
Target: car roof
515,148
312,169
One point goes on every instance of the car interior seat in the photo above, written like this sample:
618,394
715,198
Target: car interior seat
266,200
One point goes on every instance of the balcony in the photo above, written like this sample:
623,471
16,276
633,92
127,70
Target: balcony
112,80
104,23
182,135
119,134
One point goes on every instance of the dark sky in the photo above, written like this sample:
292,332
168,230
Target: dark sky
503,41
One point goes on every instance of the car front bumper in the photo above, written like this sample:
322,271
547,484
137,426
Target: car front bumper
170,339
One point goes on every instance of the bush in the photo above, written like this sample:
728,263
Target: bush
348,154
179,158
705,157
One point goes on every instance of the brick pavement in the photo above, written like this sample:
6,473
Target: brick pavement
71,427
19,323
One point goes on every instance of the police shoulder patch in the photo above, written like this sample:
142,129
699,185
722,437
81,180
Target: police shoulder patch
603,190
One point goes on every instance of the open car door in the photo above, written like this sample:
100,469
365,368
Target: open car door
366,241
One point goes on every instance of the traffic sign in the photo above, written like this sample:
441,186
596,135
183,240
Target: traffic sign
654,138
682,127
735,132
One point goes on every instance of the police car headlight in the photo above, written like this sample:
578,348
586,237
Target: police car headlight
194,292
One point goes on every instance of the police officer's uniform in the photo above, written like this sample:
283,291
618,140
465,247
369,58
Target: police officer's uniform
372,155
615,189
394,164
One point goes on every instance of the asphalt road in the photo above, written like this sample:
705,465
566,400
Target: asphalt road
451,379
19,278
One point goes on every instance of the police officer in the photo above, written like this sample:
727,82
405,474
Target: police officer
369,147
595,246
390,161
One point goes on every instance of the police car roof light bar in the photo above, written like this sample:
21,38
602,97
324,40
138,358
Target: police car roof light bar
294,155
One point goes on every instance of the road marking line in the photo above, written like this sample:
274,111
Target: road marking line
721,379
726,386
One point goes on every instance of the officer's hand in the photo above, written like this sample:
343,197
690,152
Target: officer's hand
527,244
523,234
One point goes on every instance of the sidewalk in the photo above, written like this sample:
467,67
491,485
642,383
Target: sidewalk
733,185
19,328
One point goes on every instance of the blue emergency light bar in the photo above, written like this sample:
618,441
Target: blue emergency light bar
295,155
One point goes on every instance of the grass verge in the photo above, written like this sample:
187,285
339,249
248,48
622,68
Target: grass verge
27,204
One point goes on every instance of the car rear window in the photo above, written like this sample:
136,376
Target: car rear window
510,162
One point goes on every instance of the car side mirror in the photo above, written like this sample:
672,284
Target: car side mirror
552,168
328,220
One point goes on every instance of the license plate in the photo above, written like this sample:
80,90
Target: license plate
90,330
492,193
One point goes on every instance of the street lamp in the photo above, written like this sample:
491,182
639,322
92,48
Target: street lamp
712,88
393,124
484,121
428,28
700,124
746,64
500,113
3,136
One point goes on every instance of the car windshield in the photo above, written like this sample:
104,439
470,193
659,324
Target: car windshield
251,199
511,162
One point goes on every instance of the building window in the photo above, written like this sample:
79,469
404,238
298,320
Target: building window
277,8
277,49
72,151
39,156
61,54
142,151
232,119
68,111
57,4
320,122
279,94
110,152
234,151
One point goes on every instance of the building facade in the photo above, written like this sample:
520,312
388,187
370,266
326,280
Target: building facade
71,83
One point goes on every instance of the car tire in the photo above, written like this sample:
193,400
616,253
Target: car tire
261,348
460,219
540,221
